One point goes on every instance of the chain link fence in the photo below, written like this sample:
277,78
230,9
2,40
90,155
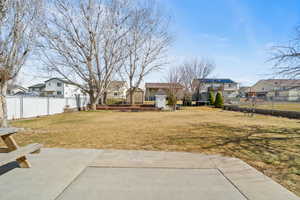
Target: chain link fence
284,103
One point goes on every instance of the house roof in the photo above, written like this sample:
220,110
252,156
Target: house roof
15,86
117,84
55,78
244,89
218,80
136,90
280,82
39,85
162,85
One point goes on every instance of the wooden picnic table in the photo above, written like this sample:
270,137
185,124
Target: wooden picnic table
13,152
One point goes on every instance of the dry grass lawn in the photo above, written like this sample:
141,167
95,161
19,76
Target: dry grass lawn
270,144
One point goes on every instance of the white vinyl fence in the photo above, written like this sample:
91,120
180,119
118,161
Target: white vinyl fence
25,107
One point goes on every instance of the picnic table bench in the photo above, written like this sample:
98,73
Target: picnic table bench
13,151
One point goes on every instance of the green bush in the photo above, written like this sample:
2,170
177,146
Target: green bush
211,98
219,103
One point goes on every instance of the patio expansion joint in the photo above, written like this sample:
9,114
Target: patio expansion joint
71,182
232,183
129,167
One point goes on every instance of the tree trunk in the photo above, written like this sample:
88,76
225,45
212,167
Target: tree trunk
93,101
174,107
104,98
3,106
198,94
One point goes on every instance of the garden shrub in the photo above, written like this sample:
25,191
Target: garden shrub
211,98
219,103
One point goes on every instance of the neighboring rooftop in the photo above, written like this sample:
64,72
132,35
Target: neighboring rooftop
15,86
39,85
161,85
60,79
117,84
244,89
217,80
278,84
281,82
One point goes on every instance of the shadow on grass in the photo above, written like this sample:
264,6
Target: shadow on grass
276,152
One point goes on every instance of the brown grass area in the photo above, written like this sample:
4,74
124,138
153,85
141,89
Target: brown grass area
270,144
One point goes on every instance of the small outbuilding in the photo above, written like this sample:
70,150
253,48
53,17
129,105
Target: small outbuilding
138,96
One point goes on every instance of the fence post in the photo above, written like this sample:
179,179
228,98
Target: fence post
67,101
48,105
21,107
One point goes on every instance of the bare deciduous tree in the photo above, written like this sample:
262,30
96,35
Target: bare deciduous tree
3,9
146,43
83,42
18,22
286,58
173,79
192,75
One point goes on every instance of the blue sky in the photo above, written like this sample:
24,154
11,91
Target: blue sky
236,34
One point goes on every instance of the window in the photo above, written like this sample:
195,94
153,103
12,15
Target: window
49,84
229,85
58,84
115,94
59,93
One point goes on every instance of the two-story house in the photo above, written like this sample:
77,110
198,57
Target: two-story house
37,89
153,89
117,90
55,87
276,89
58,87
202,87
14,89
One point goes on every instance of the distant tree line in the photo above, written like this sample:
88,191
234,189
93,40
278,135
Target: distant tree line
190,75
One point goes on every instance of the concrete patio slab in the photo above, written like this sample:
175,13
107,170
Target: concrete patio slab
150,184
116,174
51,172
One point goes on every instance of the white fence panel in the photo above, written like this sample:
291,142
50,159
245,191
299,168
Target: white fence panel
13,107
25,107
71,102
57,105
84,101
34,106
